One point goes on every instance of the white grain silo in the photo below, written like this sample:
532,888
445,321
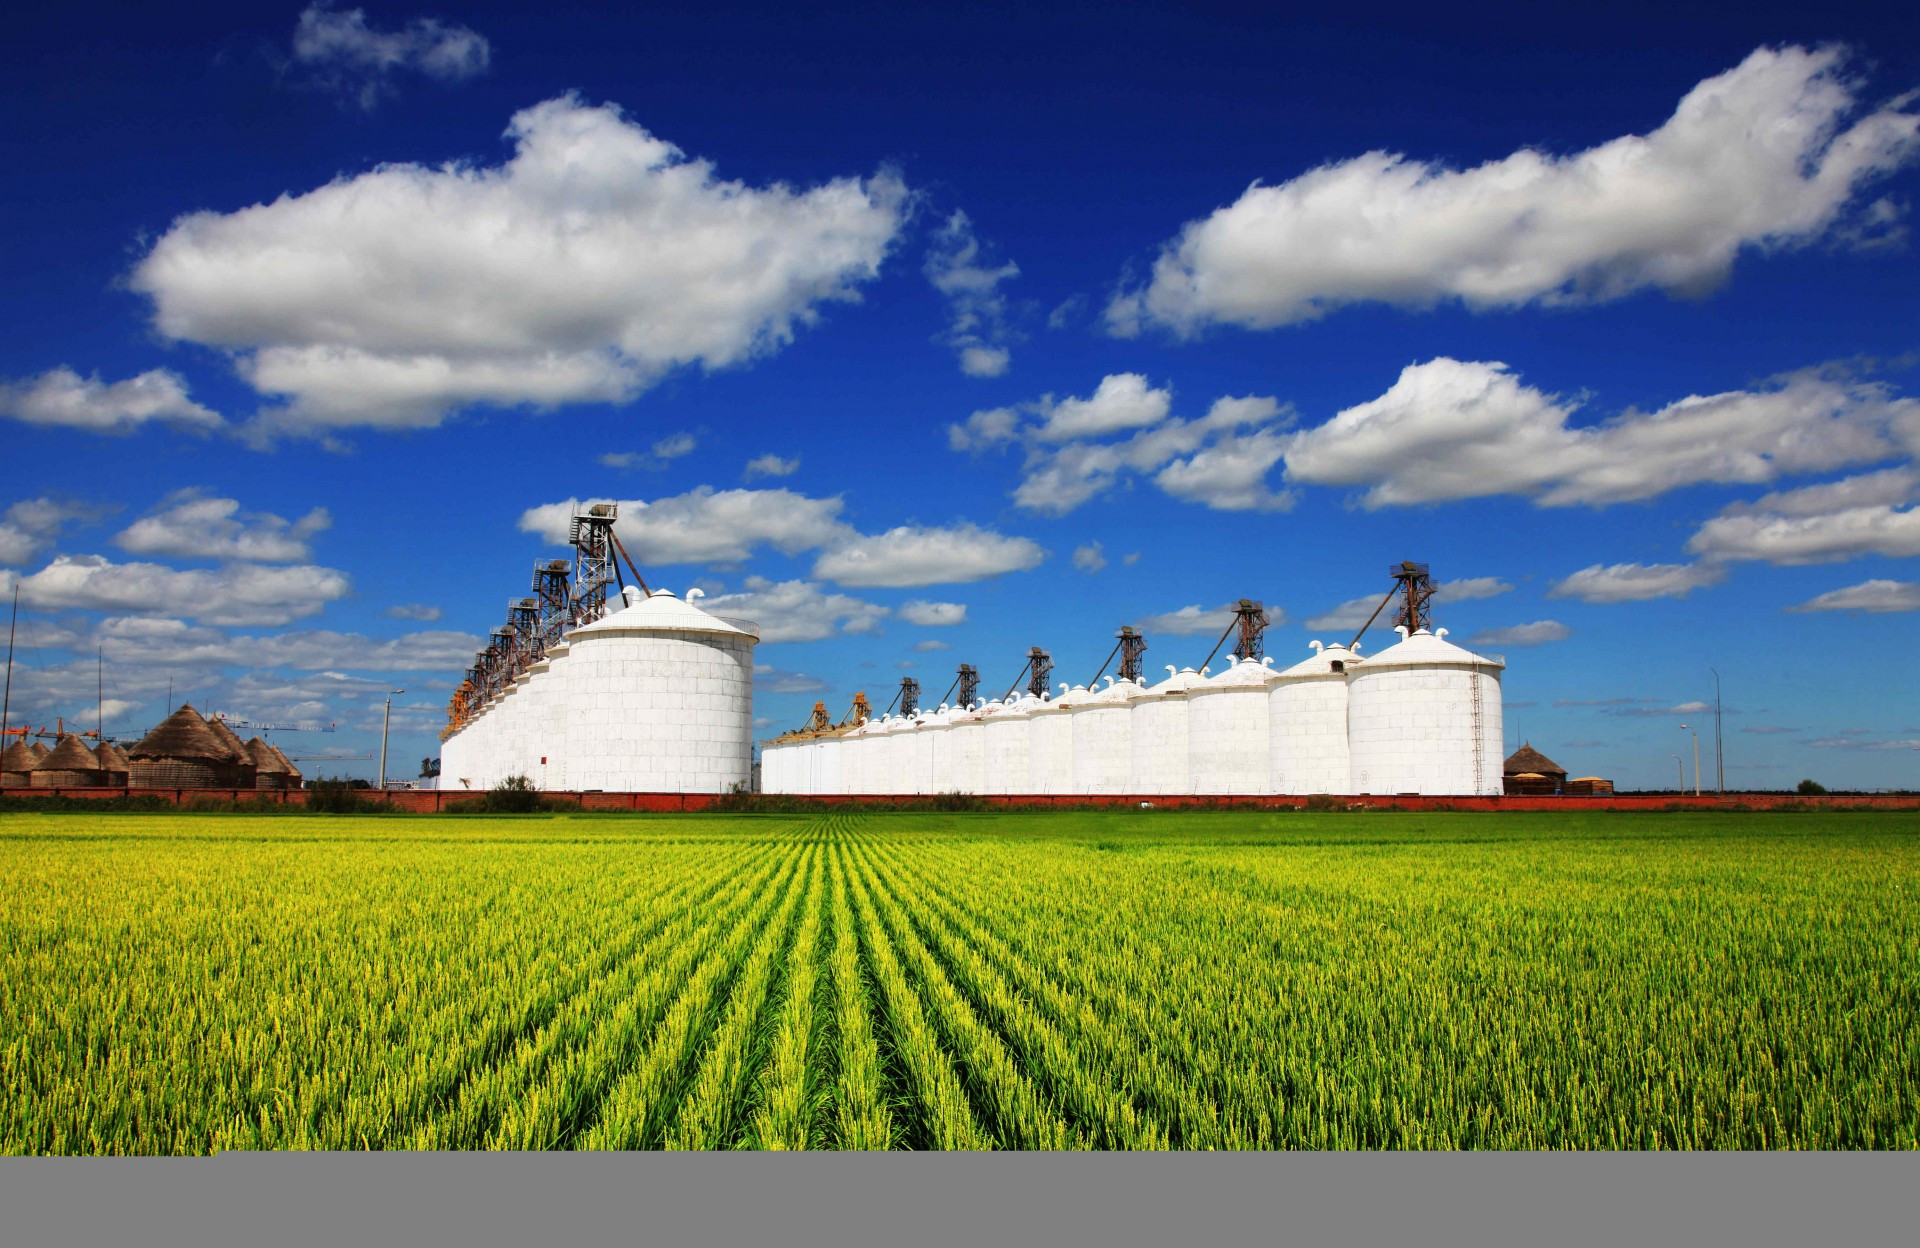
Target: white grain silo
1050,742
1227,730
1103,740
1160,763
826,764
967,750
1308,725
659,698
896,754
1424,716
937,731
853,748
1008,735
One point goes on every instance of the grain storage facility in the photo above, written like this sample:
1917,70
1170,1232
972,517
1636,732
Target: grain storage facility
16,765
69,764
1307,724
183,752
1425,716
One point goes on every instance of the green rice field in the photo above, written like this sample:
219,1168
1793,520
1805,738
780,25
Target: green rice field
1111,980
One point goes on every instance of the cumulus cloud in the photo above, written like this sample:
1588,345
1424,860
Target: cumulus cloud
662,453
1819,524
240,593
190,525
1188,620
1220,459
418,611
771,465
594,260
1874,596
1355,612
63,398
1769,155
31,525
1088,558
797,610
1637,582
933,614
1450,429
957,267
771,679
914,555
346,55
929,645
1537,633
150,643
706,525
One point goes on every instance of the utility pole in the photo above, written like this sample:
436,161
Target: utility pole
385,720
1696,759
1719,760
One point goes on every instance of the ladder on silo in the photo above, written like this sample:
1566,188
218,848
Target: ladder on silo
1479,737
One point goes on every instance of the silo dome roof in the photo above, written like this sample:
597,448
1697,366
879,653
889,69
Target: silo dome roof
1322,661
664,612
1247,673
1074,697
1177,682
1425,649
1117,692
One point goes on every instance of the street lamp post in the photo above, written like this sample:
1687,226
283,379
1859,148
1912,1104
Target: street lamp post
1696,759
386,719
1719,757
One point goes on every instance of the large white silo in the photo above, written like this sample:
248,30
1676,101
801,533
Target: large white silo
1050,742
919,778
896,755
855,750
1008,734
1425,716
827,763
1103,740
937,731
967,750
1308,723
1228,726
659,698
1160,735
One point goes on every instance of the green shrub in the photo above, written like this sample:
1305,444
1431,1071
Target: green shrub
514,795
1811,788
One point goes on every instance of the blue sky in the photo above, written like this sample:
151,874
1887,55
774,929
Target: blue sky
928,336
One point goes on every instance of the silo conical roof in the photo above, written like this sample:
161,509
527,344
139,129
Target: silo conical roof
1178,680
70,753
1425,649
182,734
1321,662
665,612
1242,674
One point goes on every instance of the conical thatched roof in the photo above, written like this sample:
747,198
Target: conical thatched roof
112,757
70,753
230,739
37,750
284,760
1527,759
17,757
182,734
266,759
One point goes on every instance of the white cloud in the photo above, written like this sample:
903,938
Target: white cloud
31,525
662,453
1761,156
1188,620
148,643
797,610
413,611
706,525
190,525
1209,460
1449,429
957,269
984,430
1122,401
63,398
347,56
1875,596
771,465
770,679
933,614
1088,558
913,555
593,261
1819,524
1537,633
1637,582
241,593
929,645
1355,612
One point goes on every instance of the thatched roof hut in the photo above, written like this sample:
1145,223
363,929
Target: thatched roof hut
243,772
269,769
184,753
294,778
1527,759
115,764
37,750
15,762
69,764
